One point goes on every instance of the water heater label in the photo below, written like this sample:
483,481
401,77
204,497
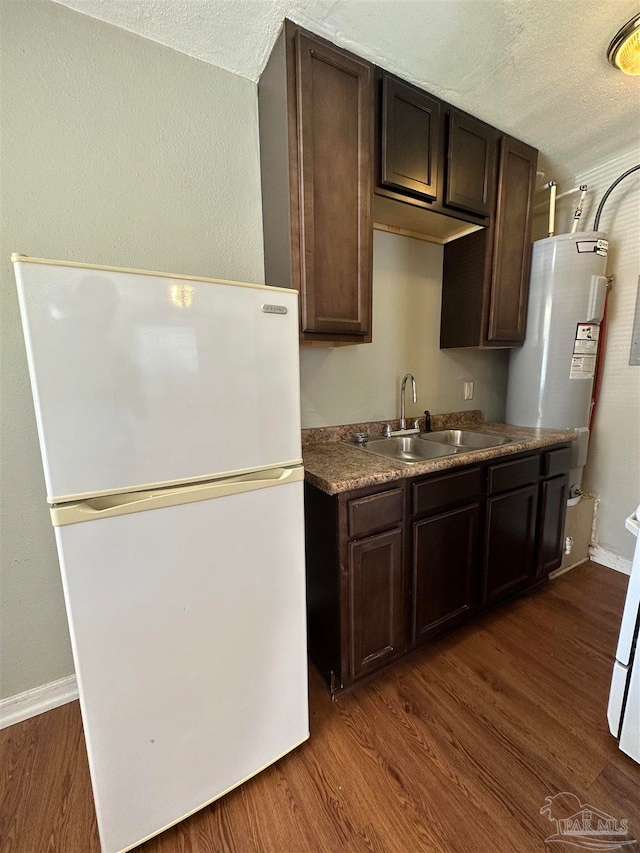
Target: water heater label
582,367
600,247
587,332
585,347
585,350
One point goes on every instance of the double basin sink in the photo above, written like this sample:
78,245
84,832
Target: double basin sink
431,445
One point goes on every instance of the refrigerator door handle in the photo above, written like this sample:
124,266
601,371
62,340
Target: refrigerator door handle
110,506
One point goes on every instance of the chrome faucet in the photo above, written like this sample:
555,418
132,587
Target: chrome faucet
403,420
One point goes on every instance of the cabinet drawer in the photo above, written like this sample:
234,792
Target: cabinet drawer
512,475
374,512
556,462
439,493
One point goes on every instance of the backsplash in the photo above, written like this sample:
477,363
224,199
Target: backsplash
342,432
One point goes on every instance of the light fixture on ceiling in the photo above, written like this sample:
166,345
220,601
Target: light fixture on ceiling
624,50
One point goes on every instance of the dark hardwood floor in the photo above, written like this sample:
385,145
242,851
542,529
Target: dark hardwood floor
452,750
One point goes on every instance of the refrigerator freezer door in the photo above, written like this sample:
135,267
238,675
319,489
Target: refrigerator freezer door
143,379
189,638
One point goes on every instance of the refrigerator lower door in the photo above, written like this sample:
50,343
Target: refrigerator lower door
631,612
630,728
616,697
189,638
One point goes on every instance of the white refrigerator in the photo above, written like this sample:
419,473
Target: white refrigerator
624,698
169,423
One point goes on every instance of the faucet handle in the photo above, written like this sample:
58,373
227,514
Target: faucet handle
386,430
416,423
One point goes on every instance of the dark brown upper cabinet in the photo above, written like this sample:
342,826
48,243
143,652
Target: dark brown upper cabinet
486,274
435,165
438,172
410,139
512,242
471,164
315,105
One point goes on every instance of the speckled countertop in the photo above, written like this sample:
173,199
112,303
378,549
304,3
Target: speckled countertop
335,467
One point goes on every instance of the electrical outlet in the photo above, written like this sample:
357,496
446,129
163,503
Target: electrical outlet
468,390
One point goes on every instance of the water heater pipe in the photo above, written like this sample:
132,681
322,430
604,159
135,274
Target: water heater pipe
543,204
596,221
552,207
578,213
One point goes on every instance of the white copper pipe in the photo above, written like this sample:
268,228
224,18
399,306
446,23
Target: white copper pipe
578,213
552,207
543,204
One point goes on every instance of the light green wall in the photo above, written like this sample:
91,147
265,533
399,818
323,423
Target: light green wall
114,150
117,150
362,383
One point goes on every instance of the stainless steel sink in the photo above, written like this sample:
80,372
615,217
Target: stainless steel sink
410,448
430,445
465,439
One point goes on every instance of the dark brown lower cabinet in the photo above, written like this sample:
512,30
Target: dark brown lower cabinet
376,611
553,510
445,576
510,545
392,566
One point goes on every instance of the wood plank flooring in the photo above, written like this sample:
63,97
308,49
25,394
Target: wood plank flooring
452,750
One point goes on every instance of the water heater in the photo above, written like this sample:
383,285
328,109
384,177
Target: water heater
551,376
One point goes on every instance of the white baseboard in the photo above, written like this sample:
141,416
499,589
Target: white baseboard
20,707
556,573
609,559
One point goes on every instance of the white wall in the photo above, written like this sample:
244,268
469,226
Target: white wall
612,472
362,383
114,150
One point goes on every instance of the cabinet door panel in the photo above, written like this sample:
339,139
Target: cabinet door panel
512,242
410,139
445,577
335,105
470,164
510,543
375,601
553,510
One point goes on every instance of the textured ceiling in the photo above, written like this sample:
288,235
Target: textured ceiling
535,68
